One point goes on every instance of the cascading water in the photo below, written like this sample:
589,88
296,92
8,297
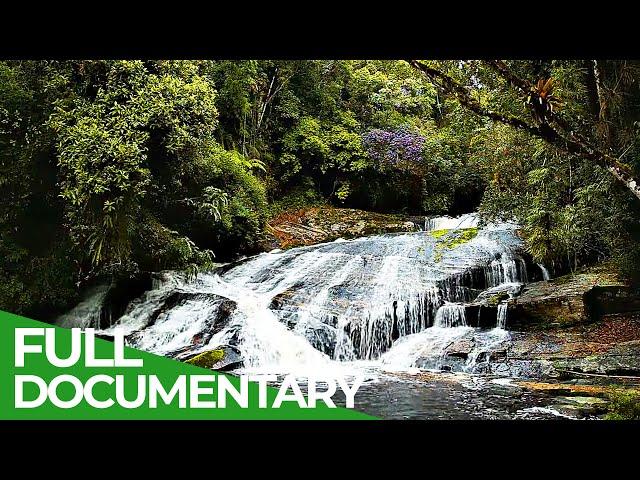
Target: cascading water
502,315
545,272
448,223
88,312
394,298
451,315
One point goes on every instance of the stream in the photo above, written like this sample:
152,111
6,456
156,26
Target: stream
399,309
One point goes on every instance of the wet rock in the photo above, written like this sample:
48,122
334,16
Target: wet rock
581,407
282,299
504,387
570,300
497,356
495,295
453,364
219,312
591,403
574,412
620,360
526,369
120,294
481,316
460,348
321,336
221,358
225,308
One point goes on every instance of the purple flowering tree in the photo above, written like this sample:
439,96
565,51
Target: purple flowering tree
395,148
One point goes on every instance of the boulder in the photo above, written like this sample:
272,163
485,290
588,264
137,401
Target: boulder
221,358
178,297
460,348
492,297
608,347
580,407
570,300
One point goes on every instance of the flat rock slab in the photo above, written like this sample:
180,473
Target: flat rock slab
570,300
324,224
460,348
609,347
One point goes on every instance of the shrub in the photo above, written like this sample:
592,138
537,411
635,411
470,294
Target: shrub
624,405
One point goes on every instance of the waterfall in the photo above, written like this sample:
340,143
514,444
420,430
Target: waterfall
545,272
88,312
468,220
451,315
508,269
502,316
319,306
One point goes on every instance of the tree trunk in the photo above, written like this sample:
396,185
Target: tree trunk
597,75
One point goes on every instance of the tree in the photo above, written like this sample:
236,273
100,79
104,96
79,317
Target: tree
550,126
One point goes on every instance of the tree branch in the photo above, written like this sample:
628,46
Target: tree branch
526,88
449,85
522,84
555,131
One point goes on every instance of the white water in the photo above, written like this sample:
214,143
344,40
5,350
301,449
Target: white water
386,298
428,343
427,349
502,315
468,220
87,313
451,315
545,272
267,344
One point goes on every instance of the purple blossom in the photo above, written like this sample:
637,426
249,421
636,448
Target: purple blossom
394,147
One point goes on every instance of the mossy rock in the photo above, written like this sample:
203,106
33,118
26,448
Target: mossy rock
225,357
450,239
463,236
439,233
495,300
207,359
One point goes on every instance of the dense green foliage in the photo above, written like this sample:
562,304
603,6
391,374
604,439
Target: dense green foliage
109,168
573,211
623,405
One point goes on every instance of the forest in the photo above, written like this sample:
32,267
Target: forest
110,168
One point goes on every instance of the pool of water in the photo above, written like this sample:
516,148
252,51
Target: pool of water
390,397
453,396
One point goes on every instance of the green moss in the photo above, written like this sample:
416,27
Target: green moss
207,359
438,233
496,299
450,239
466,235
